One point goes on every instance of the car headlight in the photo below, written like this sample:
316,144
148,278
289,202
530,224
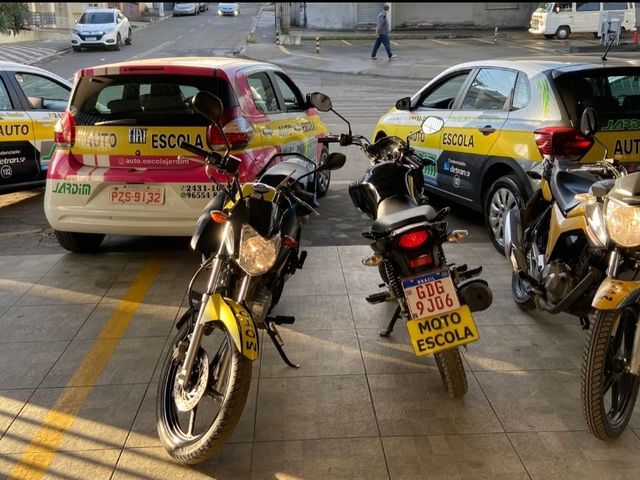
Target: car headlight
110,30
75,32
257,254
623,223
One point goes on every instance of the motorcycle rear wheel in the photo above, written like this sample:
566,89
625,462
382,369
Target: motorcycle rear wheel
523,299
608,391
452,372
200,440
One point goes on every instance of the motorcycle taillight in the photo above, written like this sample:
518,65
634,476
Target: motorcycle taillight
413,239
421,261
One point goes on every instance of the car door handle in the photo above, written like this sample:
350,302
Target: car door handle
487,130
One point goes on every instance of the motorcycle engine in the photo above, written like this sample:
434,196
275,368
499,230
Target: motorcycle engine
558,281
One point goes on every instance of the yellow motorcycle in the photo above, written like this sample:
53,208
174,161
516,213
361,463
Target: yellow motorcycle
574,249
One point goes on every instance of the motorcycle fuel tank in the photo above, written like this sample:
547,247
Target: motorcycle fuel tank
381,181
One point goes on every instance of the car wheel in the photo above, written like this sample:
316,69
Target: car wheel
563,32
323,178
77,49
129,39
504,194
79,242
118,45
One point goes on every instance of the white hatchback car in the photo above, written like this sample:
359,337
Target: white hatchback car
101,27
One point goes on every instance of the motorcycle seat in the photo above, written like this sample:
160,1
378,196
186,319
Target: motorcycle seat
395,218
565,185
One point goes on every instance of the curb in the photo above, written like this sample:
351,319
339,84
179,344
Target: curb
623,47
252,29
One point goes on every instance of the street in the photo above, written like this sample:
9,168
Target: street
83,335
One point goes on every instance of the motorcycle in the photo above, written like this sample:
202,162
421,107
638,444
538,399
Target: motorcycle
249,239
434,298
574,248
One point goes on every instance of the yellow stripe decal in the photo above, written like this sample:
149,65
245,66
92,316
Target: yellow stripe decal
42,449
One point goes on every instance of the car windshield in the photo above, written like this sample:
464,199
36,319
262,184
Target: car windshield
153,100
544,7
96,18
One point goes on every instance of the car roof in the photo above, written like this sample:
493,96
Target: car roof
228,64
5,65
532,67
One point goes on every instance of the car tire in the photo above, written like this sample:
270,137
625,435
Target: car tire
77,49
323,179
129,39
79,242
563,32
503,194
118,45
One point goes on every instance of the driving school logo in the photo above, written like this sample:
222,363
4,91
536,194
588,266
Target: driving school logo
72,188
137,136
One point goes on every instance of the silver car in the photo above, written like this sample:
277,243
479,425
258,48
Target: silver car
228,9
183,8
101,27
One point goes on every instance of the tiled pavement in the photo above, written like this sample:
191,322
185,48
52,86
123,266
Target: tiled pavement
361,407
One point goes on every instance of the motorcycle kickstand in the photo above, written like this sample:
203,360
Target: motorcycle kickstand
392,323
277,341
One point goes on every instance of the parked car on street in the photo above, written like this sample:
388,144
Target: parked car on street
503,117
119,168
31,101
184,8
228,9
101,27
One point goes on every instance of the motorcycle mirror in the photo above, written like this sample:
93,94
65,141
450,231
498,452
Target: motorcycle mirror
334,161
207,105
320,101
404,104
432,125
589,121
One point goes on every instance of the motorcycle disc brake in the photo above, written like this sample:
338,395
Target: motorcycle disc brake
185,400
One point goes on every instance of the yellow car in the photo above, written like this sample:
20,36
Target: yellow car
31,101
502,117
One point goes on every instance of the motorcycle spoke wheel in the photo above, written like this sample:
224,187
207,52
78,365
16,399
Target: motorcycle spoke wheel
194,421
609,391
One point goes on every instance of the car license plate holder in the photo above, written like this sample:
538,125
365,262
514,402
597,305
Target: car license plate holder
91,39
430,293
136,195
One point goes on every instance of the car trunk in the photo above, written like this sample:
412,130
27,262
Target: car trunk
139,120
614,93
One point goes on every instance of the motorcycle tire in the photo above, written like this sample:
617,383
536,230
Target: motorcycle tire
605,420
520,296
189,448
452,372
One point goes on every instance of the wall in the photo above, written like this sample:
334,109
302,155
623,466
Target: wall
480,14
331,16
39,34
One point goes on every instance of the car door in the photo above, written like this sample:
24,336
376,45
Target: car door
587,17
46,99
18,163
123,26
472,129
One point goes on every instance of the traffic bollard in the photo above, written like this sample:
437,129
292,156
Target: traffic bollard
317,45
277,38
495,35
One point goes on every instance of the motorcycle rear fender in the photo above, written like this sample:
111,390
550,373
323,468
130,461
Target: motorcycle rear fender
614,294
238,322
513,240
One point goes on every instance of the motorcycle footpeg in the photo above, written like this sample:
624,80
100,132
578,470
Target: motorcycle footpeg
380,297
282,320
302,258
474,272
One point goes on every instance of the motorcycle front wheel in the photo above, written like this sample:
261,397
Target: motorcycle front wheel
608,390
452,372
194,422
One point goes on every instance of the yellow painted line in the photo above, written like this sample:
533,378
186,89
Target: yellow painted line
284,50
42,449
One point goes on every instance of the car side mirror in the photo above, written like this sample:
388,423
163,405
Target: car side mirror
432,125
207,105
589,122
334,161
404,104
320,101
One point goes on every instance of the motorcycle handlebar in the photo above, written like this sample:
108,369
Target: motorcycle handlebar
193,149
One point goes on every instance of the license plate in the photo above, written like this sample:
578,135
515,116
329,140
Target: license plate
92,38
136,195
442,331
430,294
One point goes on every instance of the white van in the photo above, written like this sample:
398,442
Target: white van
562,19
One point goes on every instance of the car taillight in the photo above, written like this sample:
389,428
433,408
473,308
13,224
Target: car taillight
237,130
64,133
564,142
413,239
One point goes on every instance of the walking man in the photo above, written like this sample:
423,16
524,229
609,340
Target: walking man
382,32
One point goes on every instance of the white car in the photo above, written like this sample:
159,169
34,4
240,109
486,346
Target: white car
184,8
101,27
228,9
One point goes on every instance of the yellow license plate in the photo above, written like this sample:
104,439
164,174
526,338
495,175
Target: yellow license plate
442,331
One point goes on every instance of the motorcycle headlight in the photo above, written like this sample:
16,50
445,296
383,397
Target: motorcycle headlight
623,223
257,254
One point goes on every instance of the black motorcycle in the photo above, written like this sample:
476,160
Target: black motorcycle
249,238
433,297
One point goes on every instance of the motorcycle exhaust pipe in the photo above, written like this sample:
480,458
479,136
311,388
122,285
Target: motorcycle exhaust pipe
476,294
513,241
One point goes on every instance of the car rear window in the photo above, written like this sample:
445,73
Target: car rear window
152,100
613,93
96,18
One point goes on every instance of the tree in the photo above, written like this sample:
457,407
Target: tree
12,17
